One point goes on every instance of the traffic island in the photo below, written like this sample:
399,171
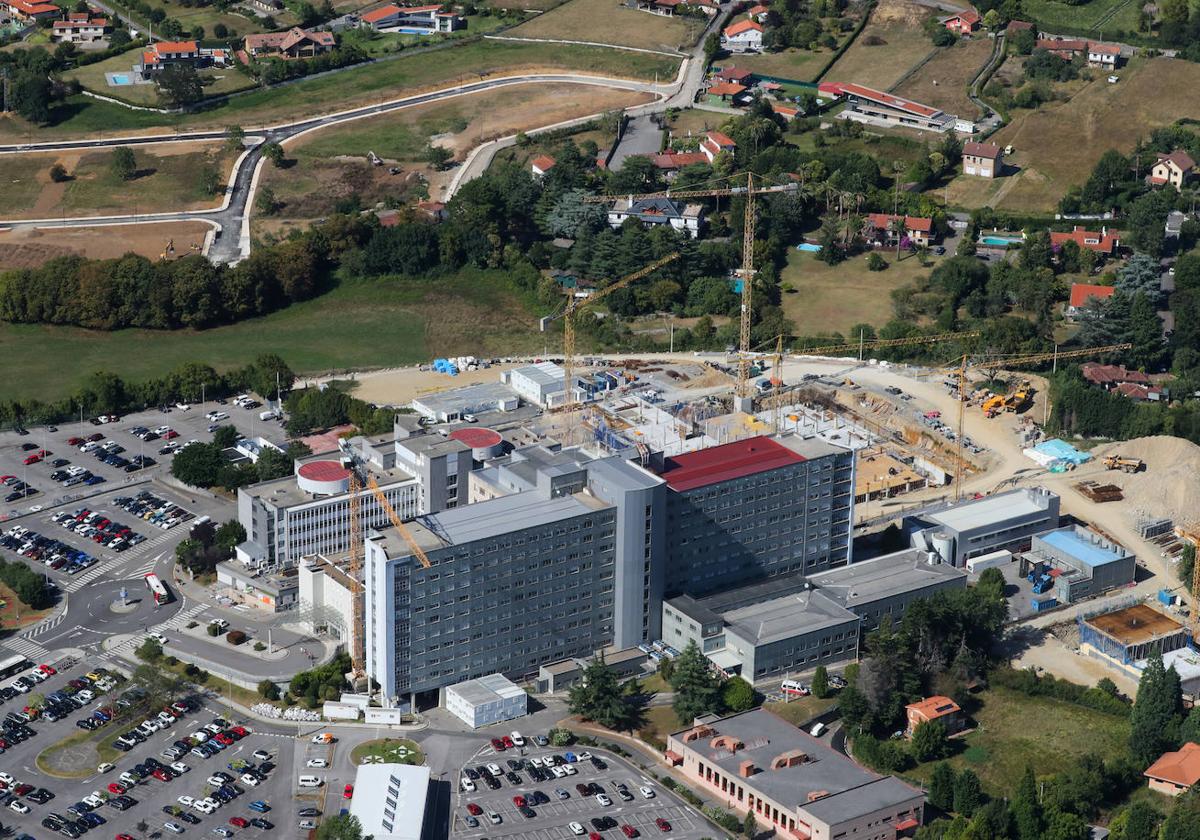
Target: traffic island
77,756
387,751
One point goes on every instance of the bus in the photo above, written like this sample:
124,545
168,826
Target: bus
160,592
14,665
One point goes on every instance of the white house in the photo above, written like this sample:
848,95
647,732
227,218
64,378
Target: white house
658,211
743,36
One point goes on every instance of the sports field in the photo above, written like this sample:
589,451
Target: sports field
888,47
1057,145
612,22
362,323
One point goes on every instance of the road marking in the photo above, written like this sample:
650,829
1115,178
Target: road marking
27,647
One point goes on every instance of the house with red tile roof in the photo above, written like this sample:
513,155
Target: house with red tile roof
934,708
666,8
758,13
880,229
1105,242
743,36
739,75
1018,25
962,23
161,54
26,10
1173,169
415,19
726,92
982,159
1177,771
1081,293
79,28
541,164
1109,377
671,162
788,112
1104,56
1065,48
295,43
714,143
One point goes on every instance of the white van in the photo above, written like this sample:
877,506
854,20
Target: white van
817,730
310,781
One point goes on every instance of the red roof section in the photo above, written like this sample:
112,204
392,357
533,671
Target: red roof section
1080,292
883,220
543,162
163,47
932,708
476,437
381,13
720,139
1180,158
734,74
1181,767
740,27
982,150
888,99
1104,242
677,160
726,89
1099,374
324,471
726,462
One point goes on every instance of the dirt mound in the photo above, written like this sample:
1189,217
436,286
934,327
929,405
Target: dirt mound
1168,486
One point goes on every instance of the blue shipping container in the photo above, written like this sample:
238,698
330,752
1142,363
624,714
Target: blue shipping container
1043,604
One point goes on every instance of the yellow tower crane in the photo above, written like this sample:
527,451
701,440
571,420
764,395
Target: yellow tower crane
992,364
574,305
747,271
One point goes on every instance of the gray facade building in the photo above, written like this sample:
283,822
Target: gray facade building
960,531
756,508
1086,563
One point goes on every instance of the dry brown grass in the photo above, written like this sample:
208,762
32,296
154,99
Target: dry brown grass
897,24
29,248
1057,145
944,80
612,22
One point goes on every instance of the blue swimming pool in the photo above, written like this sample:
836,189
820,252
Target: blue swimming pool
1000,241
808,246
118,78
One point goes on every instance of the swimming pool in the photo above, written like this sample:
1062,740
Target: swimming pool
808,246
118,79
1000,241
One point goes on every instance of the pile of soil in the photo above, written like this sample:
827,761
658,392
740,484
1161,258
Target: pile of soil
1167,486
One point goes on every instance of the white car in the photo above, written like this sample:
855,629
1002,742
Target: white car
104,768
220,623
536,762
94,799
576,828
161,430
7,779
517,738
558,771
316,762
215,781
183,406
213,728
568,769
261,755
18,806
647,793
468,785
249,781
180,767
186,801
494,817
202,806
494,769
603,799
128,779
158,637
585,756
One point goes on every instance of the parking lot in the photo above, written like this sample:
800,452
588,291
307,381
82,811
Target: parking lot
146,792
561,802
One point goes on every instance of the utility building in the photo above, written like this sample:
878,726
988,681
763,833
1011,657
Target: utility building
486,700
975,527
1082,563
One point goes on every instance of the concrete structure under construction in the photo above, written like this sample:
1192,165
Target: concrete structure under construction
962,530
797,785
1131,634
326,597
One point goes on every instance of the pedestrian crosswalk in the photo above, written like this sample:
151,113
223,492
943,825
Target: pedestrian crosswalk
46,626
91,574
27,647
177,620
152,540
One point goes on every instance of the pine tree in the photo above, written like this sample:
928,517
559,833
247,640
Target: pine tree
1026,810
598,696
1154,721
696,689
820,682
941,787
929,741
968,793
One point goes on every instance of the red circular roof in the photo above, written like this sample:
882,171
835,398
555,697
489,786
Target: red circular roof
324,471
477,437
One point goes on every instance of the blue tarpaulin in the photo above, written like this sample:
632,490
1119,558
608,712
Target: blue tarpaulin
1063,451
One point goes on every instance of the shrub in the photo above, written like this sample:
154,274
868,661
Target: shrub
268,690
192,624
172,661
235,637
259,646
214,630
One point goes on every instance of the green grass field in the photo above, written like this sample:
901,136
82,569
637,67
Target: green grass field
835,298
1015,730
81,116
385,43
19,180
612,22
91,76
362,323
1051,13
208,16
165,182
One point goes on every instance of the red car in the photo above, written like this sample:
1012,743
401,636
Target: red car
238,822
240,731
473,809
224,739
628,830
116,789
76,441
161,775
662,824
594,836
95,436
47,670
348,792
508,742
32,459
171,434
519,801
45,453
124,837
22,789
498,745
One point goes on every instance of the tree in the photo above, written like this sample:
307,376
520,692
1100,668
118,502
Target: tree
820,683
210,180
1064,826
1141,822
1026,808
712,46
929,741
738,695
123,163
749,825
1154,720
30,94
268,690
149,651
875,262
274,153
267,201
696,688
1187,564
180,85
230,535
198,464
598,695
1024,40
58,173
438,156
941,786
992,19
968,793
341,827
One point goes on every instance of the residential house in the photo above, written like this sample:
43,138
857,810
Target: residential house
963,23
982,159
934,708
1173,169
758,13
708,7
421,20
788,112
669,163
714,143
1104,56
295,43
1105,242
266,7
541,164
79,28
1065,48
1132,384
726,92
1081,293
658,211
161,54
666,8
880,230
1175,772
743,36
737,75
1017,26
32,11
434,211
